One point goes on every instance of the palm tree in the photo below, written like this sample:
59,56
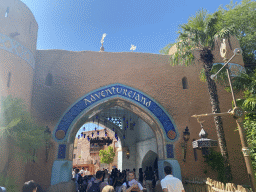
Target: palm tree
201,33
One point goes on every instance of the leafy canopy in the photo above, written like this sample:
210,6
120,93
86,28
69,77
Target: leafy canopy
17,124
200,32
107,155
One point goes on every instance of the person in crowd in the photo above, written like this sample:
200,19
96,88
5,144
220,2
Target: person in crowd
105,176
108,188
118,182
131,185
149,174
171,183
29,186
110,179
82,172
78,179
157,186
141,176
124,175
73,173
84,184
97,185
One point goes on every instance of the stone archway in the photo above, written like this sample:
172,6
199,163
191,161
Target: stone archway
149,160
93,103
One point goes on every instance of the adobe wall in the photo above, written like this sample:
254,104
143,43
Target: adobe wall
78,73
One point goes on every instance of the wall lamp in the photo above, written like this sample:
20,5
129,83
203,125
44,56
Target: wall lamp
186,136
127,154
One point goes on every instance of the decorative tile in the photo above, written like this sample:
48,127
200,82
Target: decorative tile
62,151
16,48
169,149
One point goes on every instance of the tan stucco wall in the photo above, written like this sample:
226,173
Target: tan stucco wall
78,73
20,19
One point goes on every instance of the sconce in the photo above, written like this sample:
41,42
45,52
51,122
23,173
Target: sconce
186,136
127,154
47,136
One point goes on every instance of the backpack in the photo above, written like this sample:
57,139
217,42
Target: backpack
95,187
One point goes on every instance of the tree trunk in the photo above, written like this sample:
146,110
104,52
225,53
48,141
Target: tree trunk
207,58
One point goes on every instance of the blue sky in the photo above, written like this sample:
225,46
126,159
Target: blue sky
88,127
78,25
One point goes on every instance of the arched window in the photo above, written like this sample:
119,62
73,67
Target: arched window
48,80
9,79
184,83
7,12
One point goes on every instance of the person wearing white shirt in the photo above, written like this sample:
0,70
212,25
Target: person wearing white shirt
73,173
82,172
133,185
170,183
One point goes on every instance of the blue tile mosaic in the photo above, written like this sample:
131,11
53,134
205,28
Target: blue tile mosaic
62,151
169,149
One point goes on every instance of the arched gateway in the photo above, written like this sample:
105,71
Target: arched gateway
114,95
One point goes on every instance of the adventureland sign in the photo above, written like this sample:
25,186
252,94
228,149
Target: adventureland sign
118,90
123,91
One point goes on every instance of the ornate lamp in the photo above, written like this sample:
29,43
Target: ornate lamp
186,136
204,143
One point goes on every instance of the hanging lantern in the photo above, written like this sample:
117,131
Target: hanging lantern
115,134
92,134
98,138
81,134
98,132
134,123
93,120
124,128
88,138
84,135
78,136
96,116
113,129
123,118
106,134
95,128
117,138
124,136
84,128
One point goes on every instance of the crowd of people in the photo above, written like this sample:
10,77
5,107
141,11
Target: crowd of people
117,181
126,181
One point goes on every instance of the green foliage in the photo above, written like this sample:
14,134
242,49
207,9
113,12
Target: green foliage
221,78
216,162
17,124
107,156
165,50
247,83
241,17
8,183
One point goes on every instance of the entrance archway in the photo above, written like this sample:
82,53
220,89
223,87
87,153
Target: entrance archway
149,160
95,102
